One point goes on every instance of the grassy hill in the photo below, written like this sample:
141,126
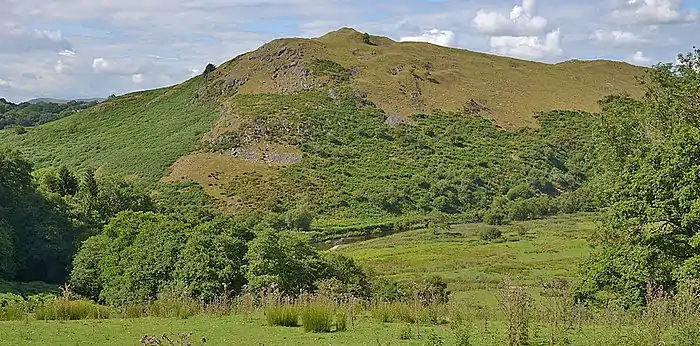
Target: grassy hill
353,128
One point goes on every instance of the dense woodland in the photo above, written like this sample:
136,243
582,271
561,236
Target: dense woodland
27,114
637,161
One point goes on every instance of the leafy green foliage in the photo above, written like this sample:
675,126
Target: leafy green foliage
212,261
356,165
286,261
32,114
142,254
651,154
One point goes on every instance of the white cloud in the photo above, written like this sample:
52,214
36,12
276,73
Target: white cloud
137,78
6,84
445,38
617,37
100,65
653,12
120,67
522,21
16,39
60,67
193,71
528,47
639,58
67,53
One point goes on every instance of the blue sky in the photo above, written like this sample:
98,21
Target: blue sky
94,48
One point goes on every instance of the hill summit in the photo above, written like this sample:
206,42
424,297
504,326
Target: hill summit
351,125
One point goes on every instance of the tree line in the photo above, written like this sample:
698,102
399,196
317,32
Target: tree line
27,114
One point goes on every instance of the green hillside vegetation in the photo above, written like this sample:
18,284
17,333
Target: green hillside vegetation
27,114
345,128
137,135
126,218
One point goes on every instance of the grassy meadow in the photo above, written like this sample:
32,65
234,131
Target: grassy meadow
526,254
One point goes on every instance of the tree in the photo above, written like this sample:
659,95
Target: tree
212,262
366,39
651,234
209,69
7,255
143,251
86,274
67,183
285,258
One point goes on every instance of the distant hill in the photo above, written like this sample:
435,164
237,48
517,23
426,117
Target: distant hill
60,101
354,126
37,113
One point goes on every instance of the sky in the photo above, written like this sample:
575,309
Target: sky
95,48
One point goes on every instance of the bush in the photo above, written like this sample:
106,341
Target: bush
284,315
490,234
433,291
317,318
12,307
494,216
63,310
461,334
299,218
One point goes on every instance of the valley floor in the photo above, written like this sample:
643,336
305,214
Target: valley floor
528,253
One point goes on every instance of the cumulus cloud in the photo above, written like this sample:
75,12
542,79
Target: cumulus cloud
617,37
445,38
652,12
67,53
639,58
120,67
18,39
193,71
6,84
528,47
137,78
521,21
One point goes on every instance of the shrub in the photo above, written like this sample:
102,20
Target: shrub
490,234
366,38
494,216
63,310
433,339
12,307
515,303
299,218
433,291
460,333
317,317
284,315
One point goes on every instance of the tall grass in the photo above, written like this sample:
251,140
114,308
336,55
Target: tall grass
284,315
317,317
63,310
13,312
172,305
515,303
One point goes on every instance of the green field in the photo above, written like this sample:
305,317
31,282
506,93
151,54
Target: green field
473,268
529,253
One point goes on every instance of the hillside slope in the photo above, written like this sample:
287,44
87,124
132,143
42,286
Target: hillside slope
353,128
